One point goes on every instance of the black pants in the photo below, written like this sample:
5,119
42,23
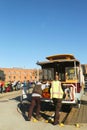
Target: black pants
1,89
35,102
57,104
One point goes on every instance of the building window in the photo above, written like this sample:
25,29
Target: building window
25,77
9,77
14,77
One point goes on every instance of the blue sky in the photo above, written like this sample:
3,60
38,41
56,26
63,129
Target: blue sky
30,30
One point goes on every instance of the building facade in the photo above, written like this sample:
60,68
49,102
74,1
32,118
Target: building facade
84,66
18,74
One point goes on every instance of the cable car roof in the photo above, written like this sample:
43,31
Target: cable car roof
59,58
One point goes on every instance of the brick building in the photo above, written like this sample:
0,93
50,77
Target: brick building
15,74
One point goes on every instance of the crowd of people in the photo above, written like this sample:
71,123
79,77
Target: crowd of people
13,85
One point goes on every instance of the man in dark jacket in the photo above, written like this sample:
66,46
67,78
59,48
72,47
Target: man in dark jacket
36,95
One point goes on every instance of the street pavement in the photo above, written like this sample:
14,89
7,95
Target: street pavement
11,119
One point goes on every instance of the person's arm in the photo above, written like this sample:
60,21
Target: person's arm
51,91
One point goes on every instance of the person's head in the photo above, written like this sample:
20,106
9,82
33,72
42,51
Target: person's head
56,77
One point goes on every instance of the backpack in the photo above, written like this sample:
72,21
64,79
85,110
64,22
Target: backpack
37,89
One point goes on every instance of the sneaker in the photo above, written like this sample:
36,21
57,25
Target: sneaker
56,123
29,119
38,117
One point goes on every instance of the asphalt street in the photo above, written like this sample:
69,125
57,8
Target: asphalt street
11,119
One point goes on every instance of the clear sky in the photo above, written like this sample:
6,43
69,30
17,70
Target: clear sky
30,30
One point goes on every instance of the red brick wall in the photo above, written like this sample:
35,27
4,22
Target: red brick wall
12,74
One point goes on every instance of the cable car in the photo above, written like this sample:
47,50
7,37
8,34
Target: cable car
70,74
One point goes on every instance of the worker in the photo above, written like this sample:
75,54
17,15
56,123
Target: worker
36,98
56,94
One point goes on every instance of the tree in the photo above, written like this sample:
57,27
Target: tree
2,75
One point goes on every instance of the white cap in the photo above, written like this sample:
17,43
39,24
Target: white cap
39,83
